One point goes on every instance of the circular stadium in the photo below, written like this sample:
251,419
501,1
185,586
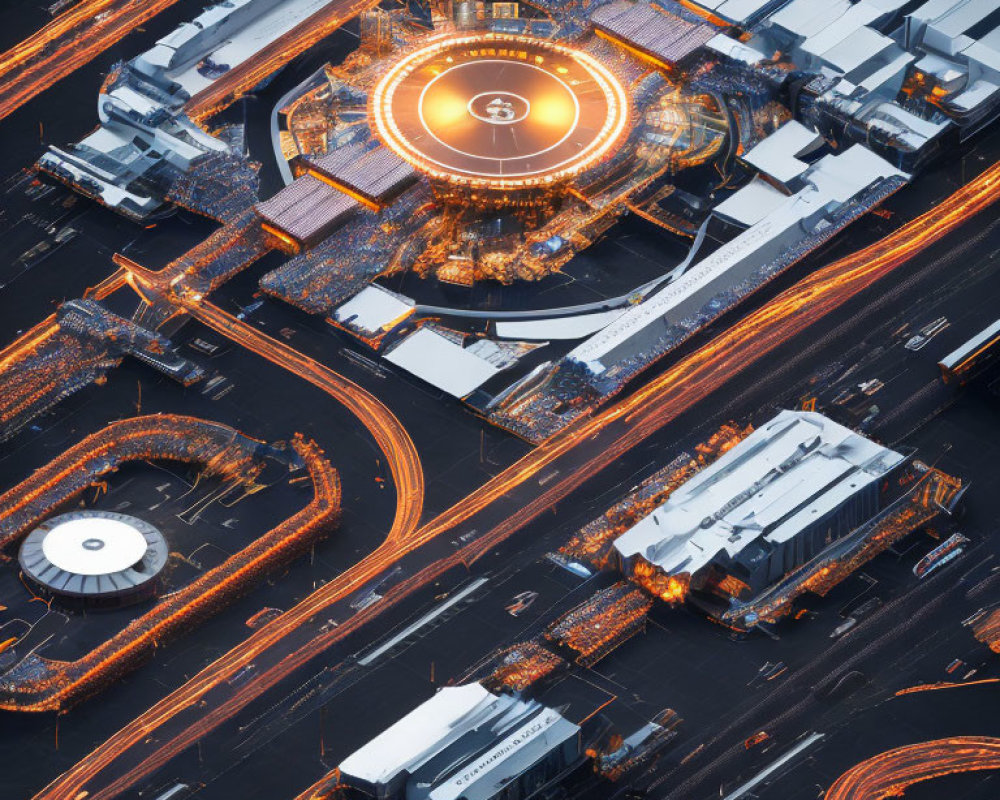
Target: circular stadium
98,556
499,111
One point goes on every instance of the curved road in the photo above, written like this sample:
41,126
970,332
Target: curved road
222,451
515,497
390,435
889,774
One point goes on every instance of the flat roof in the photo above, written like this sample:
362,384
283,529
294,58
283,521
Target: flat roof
441,362
376,173
572,327
307,208
420,734
739,12
486,776
464,742
977,93
778,155
373,310
860,46
752,203
734,49
743,11
94,545
797,467
961,16
831,180
665,37
240,43
969,348
986,51
807,18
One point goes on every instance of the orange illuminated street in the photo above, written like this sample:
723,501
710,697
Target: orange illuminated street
891,773
221,451
67,43
511,500
391,437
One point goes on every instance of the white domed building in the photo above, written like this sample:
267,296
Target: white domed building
97,557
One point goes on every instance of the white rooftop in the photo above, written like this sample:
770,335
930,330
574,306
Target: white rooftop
787,473
831,181
420,734
506,736
573,327
734,49
779,155
254,31
94,545
442,362
856,48
737,11
807,18
484,778
374,310
752,203
962,352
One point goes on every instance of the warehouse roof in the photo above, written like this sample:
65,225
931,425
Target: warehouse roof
740,12
374,311
464,742
791,471
377,174
442,362
829,183
778,155
752,203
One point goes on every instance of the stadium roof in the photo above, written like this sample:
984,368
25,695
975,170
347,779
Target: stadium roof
664,37
307,209
796,468
377,174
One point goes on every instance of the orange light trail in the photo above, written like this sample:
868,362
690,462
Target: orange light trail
636,418
889,774
388,432
222,452
28,341
937,687
67,43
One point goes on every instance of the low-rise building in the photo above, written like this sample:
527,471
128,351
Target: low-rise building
769,505
466,743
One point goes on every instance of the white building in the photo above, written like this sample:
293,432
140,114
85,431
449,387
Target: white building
779,224
465,743
767,506
864,51
144,137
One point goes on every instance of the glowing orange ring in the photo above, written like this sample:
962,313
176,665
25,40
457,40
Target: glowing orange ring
596,148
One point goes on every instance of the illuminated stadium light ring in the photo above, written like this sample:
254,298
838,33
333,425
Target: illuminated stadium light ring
501,111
